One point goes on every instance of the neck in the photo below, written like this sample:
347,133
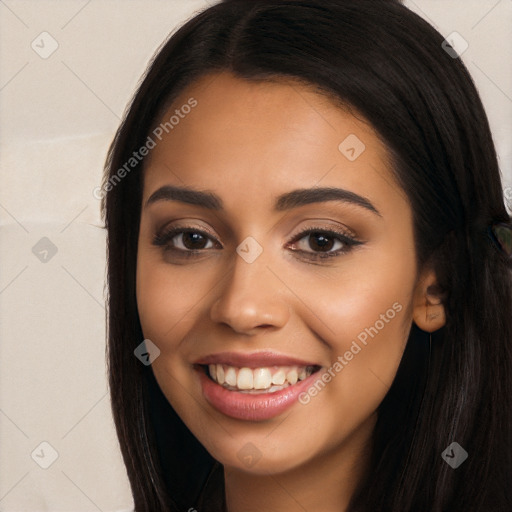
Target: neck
326,482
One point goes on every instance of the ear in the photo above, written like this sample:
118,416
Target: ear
428,309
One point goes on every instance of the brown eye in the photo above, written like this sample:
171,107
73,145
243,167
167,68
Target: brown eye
184,240
319,242
193,240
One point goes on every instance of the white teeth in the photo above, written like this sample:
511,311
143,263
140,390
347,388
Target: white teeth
269,379
292,377
245,378
220,374
230,376
213,370
279,378
262,378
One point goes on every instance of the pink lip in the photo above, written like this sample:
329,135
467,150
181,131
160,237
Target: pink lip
253,360
251,407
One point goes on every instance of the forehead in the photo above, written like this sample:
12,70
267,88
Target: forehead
261,139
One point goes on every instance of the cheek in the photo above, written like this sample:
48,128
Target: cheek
168,303
370,304
168,298
369,314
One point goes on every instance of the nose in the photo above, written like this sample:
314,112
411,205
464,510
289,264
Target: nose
252,298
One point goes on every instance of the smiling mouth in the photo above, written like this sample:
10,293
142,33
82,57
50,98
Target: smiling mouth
269,379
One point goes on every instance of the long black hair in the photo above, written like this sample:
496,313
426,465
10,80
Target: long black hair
388,65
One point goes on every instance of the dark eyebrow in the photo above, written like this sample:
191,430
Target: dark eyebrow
286,201
186,195
305,196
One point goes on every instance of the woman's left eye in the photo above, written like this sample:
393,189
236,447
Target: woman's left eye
323,242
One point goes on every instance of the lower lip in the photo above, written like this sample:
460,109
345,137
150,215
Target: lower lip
252,407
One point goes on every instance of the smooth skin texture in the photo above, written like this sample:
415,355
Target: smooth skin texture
248,143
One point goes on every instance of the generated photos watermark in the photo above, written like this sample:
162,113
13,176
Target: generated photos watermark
151,142
355,348
146,352
454,455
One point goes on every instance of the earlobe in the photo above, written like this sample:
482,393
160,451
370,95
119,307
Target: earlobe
428,309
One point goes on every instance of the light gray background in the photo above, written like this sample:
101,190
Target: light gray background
57,118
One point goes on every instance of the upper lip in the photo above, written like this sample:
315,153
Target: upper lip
253,359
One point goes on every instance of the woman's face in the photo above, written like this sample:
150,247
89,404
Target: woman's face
270,263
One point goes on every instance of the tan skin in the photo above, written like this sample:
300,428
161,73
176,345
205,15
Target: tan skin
248,143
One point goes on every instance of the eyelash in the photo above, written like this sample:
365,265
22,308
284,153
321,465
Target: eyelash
162,240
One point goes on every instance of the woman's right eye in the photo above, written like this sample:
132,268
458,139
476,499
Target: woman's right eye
185,240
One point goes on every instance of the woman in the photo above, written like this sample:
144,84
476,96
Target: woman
306,226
